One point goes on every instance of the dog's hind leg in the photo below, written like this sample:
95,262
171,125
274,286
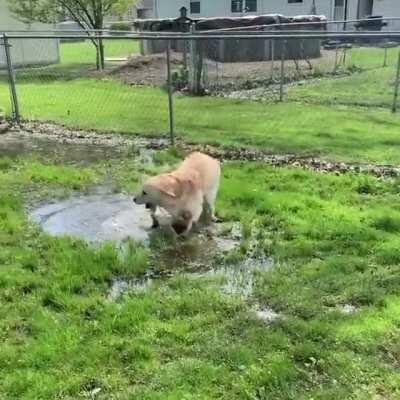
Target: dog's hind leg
209,200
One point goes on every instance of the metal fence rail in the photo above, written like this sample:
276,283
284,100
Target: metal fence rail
53,76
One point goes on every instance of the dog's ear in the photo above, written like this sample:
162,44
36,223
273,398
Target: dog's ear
170,186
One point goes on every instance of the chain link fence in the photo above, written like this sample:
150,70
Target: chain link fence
200,85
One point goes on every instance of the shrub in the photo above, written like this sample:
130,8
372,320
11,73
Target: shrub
120,26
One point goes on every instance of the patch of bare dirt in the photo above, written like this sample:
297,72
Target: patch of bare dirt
152,69
146,70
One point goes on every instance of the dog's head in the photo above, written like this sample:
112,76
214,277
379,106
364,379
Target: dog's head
160,189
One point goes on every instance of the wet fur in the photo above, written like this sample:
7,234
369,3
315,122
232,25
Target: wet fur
185,192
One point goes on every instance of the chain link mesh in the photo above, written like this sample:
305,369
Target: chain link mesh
220,85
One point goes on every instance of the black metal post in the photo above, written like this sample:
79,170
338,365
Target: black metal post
283,48
385,56
396,86
170,96
272,56
11,80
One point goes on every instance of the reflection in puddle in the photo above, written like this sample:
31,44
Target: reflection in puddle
120,286
267,315
232,280
239,279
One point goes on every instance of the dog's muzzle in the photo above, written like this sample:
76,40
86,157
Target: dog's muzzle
149,206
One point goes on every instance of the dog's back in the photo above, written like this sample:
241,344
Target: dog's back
207,168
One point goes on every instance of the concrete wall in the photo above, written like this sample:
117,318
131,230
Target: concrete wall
27,51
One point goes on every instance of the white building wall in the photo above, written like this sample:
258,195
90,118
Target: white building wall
387,8
209,8
222,8
290,9
27,51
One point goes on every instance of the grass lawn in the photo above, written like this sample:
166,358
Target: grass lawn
85,53
372,88
327,117
341,132
334,240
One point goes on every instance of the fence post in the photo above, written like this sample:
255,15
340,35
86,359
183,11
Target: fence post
272,56
283,48
11,80
336,59
170,96
396,86
385,56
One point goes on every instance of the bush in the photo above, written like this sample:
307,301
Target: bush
120,26
180,79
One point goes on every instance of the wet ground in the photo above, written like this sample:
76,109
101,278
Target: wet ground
83,153
233,279
114,217
106,216
94,218
75,146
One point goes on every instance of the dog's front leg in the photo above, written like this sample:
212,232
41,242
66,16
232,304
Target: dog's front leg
153,210
183,223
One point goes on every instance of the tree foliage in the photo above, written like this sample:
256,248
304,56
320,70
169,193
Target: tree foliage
89,14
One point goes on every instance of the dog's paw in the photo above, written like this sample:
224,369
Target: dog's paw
179,227
216,220
155,225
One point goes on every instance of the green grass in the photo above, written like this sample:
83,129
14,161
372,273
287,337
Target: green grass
340,132
85,53
328,117
372,88
334,240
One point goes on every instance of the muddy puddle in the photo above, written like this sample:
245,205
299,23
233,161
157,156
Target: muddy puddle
203,255
237,279
232,279
97,217
82,153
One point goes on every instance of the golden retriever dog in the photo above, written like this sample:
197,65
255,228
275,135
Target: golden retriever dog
184,193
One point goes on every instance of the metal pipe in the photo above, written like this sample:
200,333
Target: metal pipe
11,80
272,56
247,35
346,9
396,86
283,48
385,57
170,96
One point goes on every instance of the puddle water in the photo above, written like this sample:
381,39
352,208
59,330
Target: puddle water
233,280
98,217
15,145
239,279
120,286
267,315
347,309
